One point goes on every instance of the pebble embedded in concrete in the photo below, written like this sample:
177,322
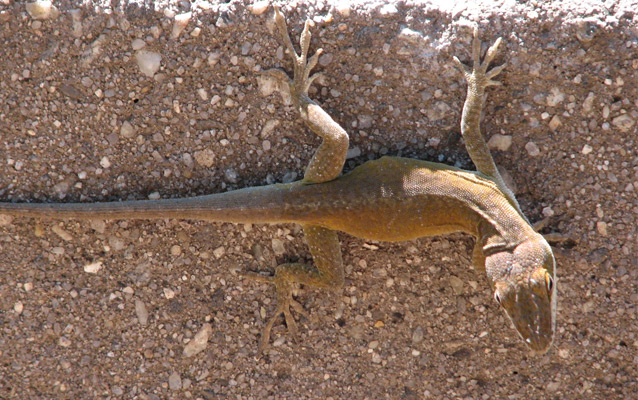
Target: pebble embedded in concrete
148,62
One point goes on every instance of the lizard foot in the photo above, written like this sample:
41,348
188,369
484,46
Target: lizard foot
284,302
300,83
478,77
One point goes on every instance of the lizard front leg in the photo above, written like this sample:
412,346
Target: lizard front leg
327,271
478,79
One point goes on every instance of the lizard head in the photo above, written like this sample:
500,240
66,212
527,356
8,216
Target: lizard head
524,284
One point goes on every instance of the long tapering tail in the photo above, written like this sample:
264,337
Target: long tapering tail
263,204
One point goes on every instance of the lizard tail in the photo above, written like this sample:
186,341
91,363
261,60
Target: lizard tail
265,204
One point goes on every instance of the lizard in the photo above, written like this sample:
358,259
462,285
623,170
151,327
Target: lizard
388,199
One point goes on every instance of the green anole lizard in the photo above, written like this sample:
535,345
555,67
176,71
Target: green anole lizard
389,199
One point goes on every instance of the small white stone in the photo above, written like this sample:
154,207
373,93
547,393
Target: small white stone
154,196
269,126
138,44
42,9
127,130
76,17
205,158
601,227
268,85
64,235
148,62
623,122
176,250
199,342
555,123
457,284
353,153
175,381
500,142
259,7
588,104
342,7
434,142
532,149
5,220
93,268
587,149
18,307
213,58
325,59
438,112
202,94
219,252
187,159
168,293
278,247
181,20
556,97
141,312
548,212
105,162
388,9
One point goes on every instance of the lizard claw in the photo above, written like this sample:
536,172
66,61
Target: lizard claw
284,303
478,76
301,81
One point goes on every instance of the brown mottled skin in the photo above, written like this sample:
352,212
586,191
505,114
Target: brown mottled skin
389,199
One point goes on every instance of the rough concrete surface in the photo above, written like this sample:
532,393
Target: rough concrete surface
108,100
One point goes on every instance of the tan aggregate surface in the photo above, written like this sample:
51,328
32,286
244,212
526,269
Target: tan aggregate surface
105,309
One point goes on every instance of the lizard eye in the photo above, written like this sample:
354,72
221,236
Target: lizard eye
549,281
497,298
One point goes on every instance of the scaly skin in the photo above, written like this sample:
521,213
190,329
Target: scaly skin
389,199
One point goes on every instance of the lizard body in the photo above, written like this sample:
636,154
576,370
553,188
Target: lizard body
389,199
401,198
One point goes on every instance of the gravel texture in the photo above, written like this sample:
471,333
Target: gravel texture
108,100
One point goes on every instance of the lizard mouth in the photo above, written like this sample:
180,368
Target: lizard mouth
532,315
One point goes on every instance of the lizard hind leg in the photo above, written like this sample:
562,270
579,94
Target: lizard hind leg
285,300
327,272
